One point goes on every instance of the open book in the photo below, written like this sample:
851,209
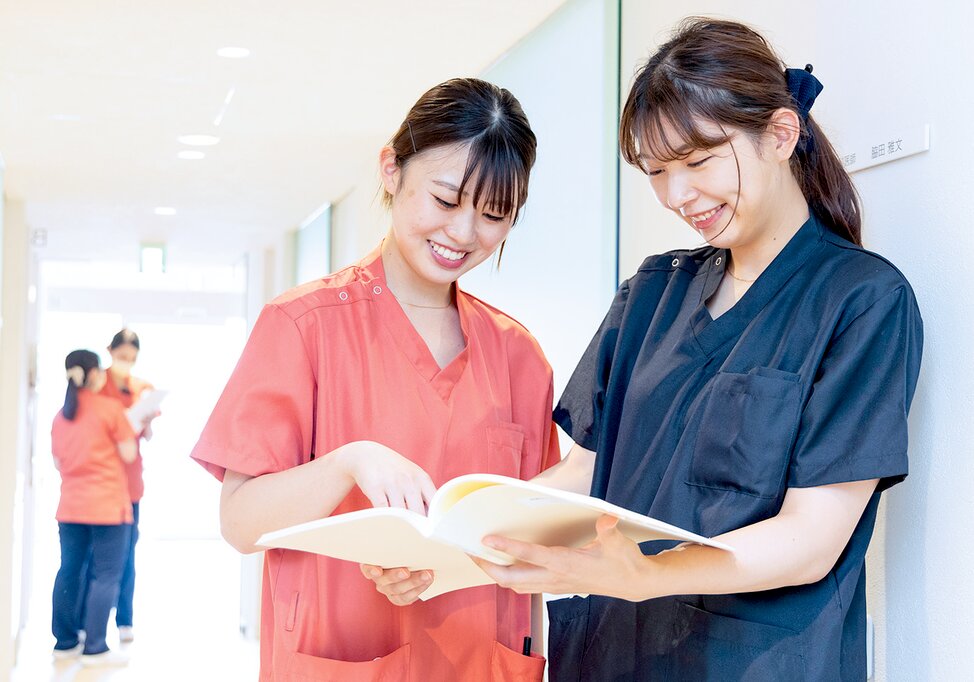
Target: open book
463,511
146,406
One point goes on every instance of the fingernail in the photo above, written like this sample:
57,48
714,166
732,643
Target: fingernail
427,577
375,572
403,574
490,542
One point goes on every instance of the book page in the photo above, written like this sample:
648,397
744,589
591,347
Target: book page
534,513
387,537
147,405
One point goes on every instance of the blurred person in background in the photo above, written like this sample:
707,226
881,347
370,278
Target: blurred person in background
127,389
91,440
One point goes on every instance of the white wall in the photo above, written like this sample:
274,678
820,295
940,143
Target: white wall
313,246
558,272
15,436
884,65
358,220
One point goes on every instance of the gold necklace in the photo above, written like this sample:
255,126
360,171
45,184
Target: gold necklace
740,279
428,307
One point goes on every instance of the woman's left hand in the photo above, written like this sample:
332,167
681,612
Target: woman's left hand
400,585
610,565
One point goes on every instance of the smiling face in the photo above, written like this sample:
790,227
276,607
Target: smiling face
730,193
437,234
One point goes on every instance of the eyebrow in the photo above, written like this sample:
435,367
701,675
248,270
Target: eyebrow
449,186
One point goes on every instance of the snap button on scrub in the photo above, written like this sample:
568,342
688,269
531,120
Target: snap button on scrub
717,262
676,261
343,295
377,290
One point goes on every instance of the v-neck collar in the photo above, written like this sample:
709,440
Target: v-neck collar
404,335
711,334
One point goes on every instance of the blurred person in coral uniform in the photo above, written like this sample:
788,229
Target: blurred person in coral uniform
91,441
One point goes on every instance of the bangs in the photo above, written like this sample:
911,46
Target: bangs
500,177
668,122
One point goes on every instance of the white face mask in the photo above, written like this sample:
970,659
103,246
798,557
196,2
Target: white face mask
122,367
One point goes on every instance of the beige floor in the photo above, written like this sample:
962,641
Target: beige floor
186,613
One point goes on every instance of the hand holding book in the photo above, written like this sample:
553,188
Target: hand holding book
464,511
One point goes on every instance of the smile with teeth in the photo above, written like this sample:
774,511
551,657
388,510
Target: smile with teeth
447,253
705,216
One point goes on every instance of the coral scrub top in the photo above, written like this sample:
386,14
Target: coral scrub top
336,361
94,488
128,396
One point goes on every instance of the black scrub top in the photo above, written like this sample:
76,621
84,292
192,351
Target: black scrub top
706,423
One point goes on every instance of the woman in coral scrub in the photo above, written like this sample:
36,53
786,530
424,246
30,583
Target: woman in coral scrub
375,384
127,389
91,439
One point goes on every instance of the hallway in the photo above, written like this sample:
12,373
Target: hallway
185,630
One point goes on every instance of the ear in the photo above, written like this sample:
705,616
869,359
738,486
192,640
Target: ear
785,128
389,170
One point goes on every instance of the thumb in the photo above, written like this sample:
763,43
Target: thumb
605,526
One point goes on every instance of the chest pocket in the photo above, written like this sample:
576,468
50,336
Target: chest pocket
504,445
746,431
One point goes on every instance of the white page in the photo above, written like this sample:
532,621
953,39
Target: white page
353,537
533,513
147,405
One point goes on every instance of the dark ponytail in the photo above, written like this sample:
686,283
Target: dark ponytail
727,73
78,365
827,187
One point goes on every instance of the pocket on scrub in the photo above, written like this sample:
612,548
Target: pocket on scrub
507,665
717,647
567,632
746,431
307,668
504,445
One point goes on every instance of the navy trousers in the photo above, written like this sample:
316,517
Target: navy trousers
105,549
126,591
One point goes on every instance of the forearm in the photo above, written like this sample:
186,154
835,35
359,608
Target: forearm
573,473
798,546
252,506
767,555
127,451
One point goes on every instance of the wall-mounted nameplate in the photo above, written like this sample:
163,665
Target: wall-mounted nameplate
883,149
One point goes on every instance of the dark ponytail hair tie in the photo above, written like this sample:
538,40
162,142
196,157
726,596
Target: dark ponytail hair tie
804,88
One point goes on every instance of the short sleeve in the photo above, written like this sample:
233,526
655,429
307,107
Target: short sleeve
854,425
264,420
579,411
119,427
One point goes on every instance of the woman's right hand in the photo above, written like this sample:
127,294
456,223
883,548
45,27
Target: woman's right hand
385,477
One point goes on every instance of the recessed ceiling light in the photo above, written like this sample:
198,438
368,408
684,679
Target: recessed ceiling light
198,140
164,210
233,52
190,154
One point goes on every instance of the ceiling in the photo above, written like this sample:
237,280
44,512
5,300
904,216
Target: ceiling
93,96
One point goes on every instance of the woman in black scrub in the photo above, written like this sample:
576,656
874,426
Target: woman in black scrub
755,389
